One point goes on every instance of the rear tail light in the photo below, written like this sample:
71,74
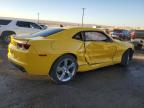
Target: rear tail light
19,45
26,46
22,45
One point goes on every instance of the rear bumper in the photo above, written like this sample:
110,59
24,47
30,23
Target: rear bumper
21,66
33,65
18,66
30,61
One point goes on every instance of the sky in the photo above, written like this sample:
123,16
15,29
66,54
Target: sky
103,12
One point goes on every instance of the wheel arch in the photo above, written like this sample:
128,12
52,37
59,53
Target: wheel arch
50,74
8,31
131,52
71,54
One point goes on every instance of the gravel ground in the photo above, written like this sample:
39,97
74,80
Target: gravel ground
110,87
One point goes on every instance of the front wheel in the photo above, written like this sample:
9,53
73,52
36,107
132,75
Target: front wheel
126,58
64,69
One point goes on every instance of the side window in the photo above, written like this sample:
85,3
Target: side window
35,26
23,24
95,36
78,36
4,22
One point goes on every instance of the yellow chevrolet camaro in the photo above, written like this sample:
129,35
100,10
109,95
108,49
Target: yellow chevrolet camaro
60,53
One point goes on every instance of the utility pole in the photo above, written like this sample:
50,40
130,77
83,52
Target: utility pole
38,17
83,13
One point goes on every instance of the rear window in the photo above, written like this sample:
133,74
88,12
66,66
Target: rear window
47,32
118,31
4,22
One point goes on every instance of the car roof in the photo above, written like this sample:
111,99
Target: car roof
18,19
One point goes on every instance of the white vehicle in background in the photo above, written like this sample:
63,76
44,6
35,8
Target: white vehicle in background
44,26
17,27
138,43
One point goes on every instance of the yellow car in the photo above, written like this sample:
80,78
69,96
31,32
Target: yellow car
60,53
0,60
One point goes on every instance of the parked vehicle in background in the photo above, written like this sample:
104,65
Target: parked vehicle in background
17,27
121,33
137,34
137,38
44,26
116,37
138,43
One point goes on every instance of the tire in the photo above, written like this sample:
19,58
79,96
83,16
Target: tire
6,37
64,69
126,58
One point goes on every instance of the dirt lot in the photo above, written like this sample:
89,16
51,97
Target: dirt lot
110,87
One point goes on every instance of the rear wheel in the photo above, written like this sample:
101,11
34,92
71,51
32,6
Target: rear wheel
64,69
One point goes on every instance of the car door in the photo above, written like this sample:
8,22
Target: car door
99,48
